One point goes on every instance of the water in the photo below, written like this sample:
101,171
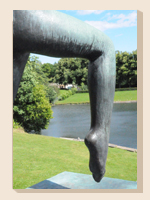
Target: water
73,121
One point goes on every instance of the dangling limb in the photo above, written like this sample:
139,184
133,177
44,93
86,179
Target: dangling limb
19,62
101,82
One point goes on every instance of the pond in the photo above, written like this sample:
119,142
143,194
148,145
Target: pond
73,121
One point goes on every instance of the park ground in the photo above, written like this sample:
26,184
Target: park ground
37,157
79,98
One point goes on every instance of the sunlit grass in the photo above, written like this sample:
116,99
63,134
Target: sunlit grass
130,95
37,157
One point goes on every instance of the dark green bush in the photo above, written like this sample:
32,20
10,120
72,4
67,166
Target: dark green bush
35,113
50,93
125,89
16,124
80,91
32,109
117,89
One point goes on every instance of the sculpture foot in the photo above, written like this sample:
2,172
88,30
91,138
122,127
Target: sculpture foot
98,148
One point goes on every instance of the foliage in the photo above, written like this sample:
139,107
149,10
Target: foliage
82,91
71,70
126,69
83,87
43,78
51,94
49,71
75,70
32,109
67,94
126,89
16,124
57,90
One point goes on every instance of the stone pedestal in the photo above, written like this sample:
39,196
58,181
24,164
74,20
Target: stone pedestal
70,180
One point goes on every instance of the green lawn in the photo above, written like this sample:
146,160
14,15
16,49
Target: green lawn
76,98
37,157
130,95
84,97
63,91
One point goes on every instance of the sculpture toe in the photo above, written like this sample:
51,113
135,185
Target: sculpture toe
98,177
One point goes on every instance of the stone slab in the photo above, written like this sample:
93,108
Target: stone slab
70,180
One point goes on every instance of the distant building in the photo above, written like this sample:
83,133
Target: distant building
61,86
67,86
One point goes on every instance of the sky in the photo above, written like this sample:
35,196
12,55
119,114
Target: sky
119,25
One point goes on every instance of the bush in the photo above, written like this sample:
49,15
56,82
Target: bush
32,109
35,113
117,89
67,94
83,87
56,90
50,93
73,90
126,89
80,91
16,124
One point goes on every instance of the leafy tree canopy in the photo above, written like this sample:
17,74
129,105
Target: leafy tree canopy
32,108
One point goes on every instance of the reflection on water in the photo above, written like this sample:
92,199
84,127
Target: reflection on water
74,121
124,125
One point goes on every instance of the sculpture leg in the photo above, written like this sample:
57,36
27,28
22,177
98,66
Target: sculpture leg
101,82
19,62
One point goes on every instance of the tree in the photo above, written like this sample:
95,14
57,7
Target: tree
42,78
71,70
49,71
133,69
31,107
126,69
62,71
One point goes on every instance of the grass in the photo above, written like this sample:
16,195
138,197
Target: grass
84,97
37,157
130,95
63,91
76,98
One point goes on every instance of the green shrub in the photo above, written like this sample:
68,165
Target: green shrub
67,94
60,98
117,89
80,91
16,124
32,109
83,87
35,113
50,93
57,90
126,89
73,90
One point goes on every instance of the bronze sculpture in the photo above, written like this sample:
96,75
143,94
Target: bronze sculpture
55,34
